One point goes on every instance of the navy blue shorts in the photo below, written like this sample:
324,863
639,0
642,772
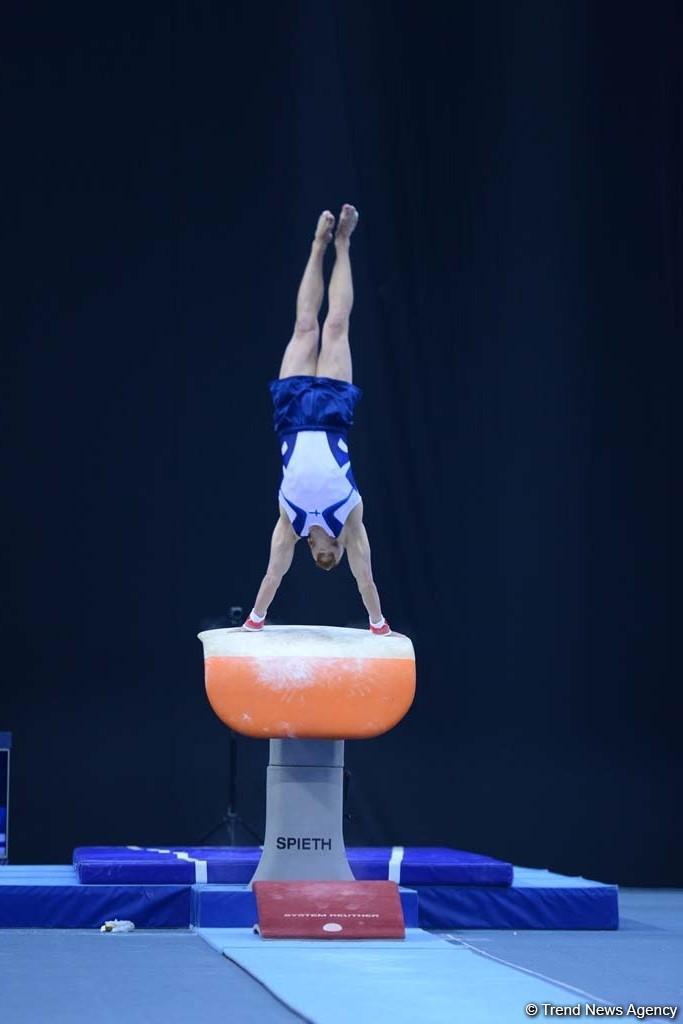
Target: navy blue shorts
313,403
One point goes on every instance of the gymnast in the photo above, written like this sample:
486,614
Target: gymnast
313,401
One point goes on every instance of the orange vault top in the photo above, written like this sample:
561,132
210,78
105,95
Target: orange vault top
308,682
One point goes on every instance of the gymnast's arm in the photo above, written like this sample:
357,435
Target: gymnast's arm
360,564
281,554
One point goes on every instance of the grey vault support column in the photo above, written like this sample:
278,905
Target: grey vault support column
304,791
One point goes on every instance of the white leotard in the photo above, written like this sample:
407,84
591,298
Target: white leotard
317,486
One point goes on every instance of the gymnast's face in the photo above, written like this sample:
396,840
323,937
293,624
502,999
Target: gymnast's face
326,551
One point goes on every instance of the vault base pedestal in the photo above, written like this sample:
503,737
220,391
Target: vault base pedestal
304,806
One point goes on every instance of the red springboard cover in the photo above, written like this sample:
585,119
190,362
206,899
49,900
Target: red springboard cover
329,910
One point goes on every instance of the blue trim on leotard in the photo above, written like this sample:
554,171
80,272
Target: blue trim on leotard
300,516
290,441
341,457
299,520
333,439
328,515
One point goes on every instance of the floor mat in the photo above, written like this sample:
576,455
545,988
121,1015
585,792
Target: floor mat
423,978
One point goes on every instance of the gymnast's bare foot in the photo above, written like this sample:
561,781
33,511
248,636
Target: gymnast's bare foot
348,218
323,232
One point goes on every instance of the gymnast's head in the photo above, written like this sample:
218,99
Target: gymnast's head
326,551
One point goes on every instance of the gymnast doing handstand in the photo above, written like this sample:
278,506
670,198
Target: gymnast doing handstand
313,401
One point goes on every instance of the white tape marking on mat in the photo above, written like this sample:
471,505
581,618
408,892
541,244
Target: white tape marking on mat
395,863
200,866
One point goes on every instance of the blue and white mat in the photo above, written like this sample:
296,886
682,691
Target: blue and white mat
104,865
456,889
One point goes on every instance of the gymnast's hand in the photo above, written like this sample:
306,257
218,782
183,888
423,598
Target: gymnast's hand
252,623
381,628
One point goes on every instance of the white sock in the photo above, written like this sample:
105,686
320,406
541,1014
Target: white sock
255,617
377,624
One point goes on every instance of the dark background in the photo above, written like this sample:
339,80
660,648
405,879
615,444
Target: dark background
518,170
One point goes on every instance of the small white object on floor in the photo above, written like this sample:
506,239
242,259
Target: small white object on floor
117,926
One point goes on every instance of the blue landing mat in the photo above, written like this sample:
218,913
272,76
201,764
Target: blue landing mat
421,978
536,899
52,897
234,865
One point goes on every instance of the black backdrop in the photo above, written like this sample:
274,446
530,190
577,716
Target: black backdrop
518,170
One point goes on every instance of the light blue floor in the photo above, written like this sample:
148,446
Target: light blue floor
54,976
422,979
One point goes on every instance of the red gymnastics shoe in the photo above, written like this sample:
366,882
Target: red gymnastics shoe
383,630
253,626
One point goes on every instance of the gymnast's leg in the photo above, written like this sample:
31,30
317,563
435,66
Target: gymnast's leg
301,354
335,354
